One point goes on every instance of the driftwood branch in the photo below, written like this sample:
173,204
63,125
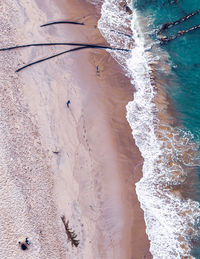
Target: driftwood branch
44,59
177,3
166,39
62,22
171,24
174,2
64,44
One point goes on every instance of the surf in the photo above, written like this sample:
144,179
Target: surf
169,152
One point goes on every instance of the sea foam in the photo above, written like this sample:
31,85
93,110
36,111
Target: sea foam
168,152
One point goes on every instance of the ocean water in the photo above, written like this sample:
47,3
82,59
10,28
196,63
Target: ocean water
164,115
182,87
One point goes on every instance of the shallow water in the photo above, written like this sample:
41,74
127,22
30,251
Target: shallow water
164,116
184,57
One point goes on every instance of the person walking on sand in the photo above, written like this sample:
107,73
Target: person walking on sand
68,103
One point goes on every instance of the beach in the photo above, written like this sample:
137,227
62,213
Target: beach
78,160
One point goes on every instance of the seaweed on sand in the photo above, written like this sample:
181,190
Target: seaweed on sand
70,233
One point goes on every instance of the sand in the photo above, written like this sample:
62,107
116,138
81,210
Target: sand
78,161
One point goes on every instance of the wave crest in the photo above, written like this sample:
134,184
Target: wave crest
169,153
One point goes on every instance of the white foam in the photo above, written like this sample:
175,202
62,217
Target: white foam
168,216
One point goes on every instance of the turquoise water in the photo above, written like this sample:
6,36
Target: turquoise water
168,191
183,85
185,57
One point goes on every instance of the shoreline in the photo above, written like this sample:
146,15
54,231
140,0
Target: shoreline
89,146
114,92
95,95
159,147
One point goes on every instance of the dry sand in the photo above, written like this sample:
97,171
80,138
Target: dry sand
90,179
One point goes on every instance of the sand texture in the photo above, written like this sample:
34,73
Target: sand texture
78,161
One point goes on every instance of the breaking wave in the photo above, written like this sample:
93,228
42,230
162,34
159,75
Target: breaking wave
169,152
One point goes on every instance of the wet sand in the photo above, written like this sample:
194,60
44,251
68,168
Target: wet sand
79,161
